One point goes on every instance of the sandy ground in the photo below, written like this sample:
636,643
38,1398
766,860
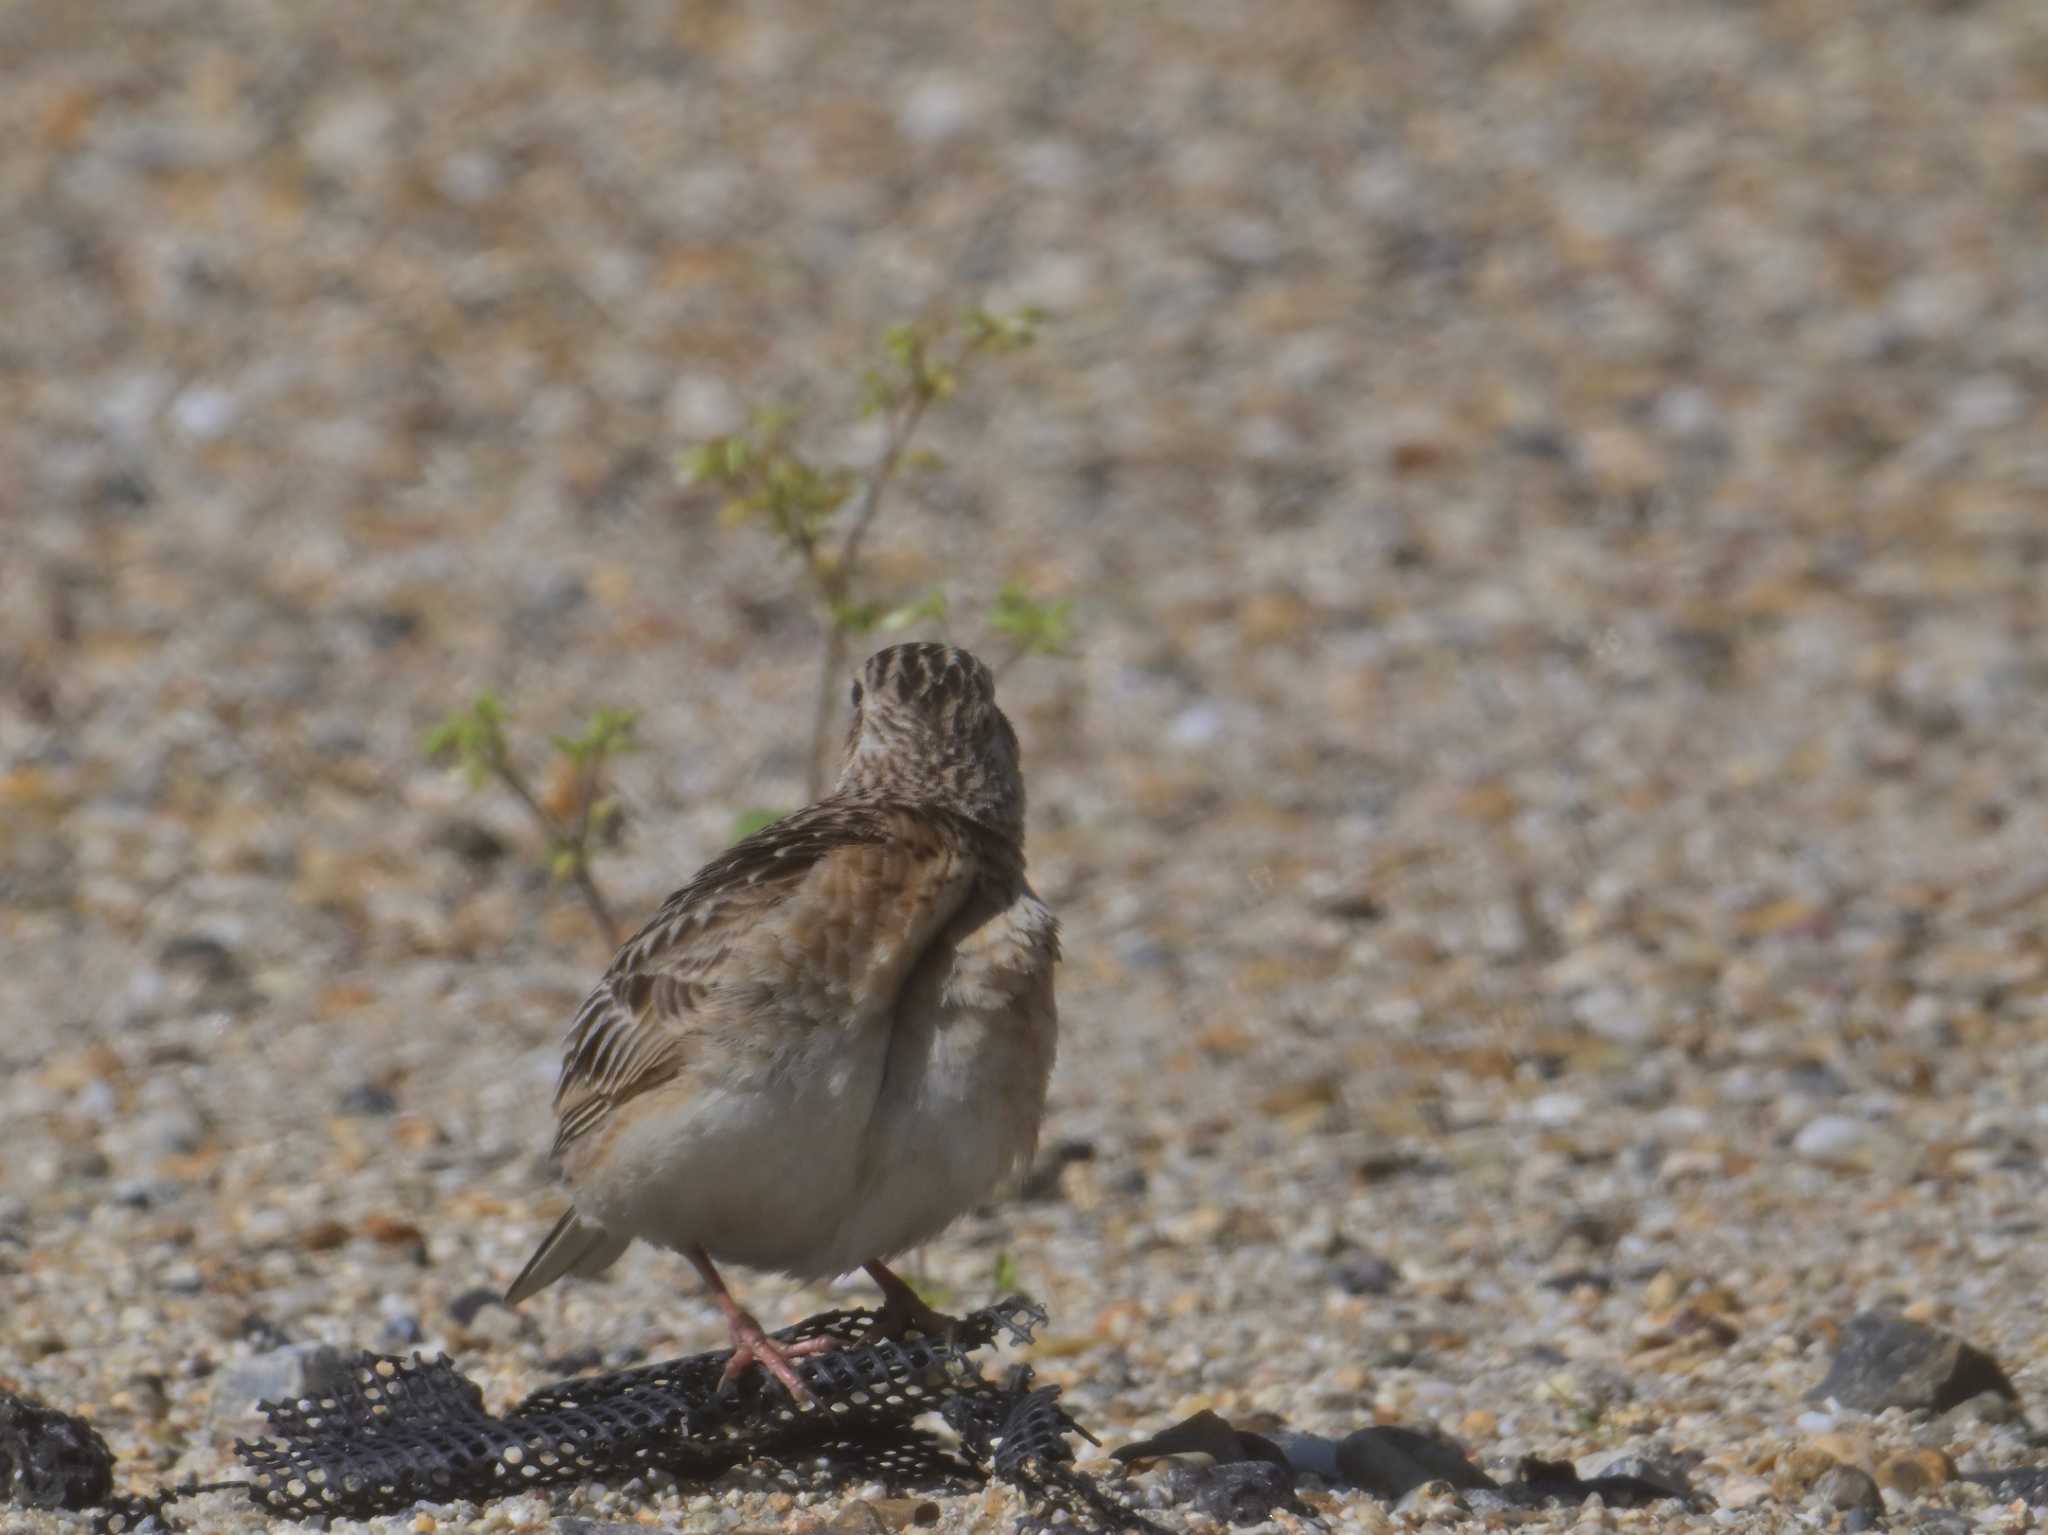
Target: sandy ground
1547,804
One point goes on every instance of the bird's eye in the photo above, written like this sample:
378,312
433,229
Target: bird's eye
855,695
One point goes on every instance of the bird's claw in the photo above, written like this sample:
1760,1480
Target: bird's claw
752,1346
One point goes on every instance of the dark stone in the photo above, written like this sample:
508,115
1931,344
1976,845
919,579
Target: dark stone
1365,1274
2029,1483
1246,1492
123,494
1648,1470
1386,1166
1816,1079
545,611
260,1332
49,1459
1850,1491
1887,1361
471,841
369,1101
1597,1231
1539,442
1573,1279
145,1193
207,959
1709,654
464,1307
1558,1481
387,627
1354,907
1389,1462
587,1357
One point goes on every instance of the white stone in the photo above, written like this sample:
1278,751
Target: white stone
1834,1138
935,110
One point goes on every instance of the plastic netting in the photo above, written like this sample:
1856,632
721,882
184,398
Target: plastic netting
396,1432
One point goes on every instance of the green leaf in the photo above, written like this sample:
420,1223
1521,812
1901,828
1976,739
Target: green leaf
904,344
609,733
1044,627
702,464
858,617
474,737
444,738
1005,1276
930,608
878,393
1003,332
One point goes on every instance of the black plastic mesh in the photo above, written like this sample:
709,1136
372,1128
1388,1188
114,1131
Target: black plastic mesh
1025,1444
401,1431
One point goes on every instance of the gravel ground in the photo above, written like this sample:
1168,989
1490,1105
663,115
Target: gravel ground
1548,807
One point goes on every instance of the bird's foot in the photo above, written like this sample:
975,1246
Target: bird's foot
904,1311
752,1346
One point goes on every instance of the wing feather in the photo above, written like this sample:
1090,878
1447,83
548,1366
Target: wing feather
830,907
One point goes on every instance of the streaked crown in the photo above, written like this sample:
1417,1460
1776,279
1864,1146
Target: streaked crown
926,728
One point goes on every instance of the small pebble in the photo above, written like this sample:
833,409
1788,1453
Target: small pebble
1835,1138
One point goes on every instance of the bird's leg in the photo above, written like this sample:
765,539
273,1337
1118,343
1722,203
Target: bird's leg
903,1310
751,1345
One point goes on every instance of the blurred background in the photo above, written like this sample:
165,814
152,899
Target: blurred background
1546,791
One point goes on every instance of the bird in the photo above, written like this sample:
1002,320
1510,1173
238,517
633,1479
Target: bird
837,1037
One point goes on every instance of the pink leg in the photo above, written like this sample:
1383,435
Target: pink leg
751,1345
903,1311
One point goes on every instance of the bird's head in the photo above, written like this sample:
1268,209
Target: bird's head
926,728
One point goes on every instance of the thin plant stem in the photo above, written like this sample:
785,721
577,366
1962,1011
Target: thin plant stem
577,847
834,662
1018,651
884,470
594,898
833,582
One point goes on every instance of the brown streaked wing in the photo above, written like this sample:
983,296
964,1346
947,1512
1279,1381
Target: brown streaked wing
631,1034
628,1035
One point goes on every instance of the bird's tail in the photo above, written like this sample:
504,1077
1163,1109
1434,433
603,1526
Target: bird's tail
571,1248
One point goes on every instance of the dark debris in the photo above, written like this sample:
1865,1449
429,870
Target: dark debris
388,1432
50,1459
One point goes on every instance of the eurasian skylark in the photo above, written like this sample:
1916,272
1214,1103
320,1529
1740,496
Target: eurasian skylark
836,1038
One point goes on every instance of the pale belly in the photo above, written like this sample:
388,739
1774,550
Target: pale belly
874,1142
813,1174
758,1173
